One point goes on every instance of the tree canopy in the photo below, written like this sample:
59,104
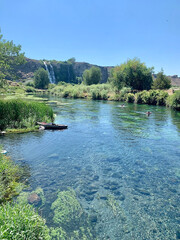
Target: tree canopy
92,76
132,74
41,79
161,82
10,56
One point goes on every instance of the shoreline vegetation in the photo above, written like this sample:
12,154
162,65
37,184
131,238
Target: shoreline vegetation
19,116
18,220
106,92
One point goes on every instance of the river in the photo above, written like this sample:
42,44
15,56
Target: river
123,166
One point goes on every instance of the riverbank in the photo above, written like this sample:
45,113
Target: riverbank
106,92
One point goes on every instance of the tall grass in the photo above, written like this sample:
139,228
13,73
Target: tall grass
17,113
95,91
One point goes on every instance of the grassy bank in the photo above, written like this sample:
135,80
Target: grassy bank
19,114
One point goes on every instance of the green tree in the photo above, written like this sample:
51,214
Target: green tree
132,74
162,81
92,76
10,56
41,79
71,60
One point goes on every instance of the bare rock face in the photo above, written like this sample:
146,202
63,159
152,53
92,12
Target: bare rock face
26,71
34,199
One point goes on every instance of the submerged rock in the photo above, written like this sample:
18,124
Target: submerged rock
34,199
54,155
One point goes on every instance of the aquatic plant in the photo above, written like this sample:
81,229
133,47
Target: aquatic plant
70,218
24,196
66,208
58,234
19,221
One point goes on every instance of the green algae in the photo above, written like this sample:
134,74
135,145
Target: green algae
23,196
69,217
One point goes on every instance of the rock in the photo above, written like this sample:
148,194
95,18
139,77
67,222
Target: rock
143,191
103,197
34,199
93,218
178,234
54,155
96,178
116,175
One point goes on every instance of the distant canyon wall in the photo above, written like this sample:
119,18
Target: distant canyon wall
69,72
64,71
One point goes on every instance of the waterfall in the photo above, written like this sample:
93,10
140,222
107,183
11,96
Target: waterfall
51,75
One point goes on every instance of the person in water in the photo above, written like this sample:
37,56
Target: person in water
148,113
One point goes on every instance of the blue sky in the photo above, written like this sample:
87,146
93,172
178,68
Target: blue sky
102,32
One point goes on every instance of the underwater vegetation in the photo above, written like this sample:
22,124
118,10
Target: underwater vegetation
69,217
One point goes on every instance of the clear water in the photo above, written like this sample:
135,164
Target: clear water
109,153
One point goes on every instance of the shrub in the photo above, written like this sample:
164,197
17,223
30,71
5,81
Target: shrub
21,222
30,89
30,84
130,97
174,101
152,97
162,98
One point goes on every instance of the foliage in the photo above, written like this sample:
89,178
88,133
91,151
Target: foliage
30,89
17,113
9,179
30,84
21,222
161,82
152,97
92,76
132,74
10,56
130,97
95,91
174,101
71,60
41,79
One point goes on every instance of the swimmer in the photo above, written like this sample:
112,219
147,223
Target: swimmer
148,113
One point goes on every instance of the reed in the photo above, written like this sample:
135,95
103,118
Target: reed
17,113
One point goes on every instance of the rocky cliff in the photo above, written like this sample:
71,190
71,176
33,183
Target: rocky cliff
64,71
